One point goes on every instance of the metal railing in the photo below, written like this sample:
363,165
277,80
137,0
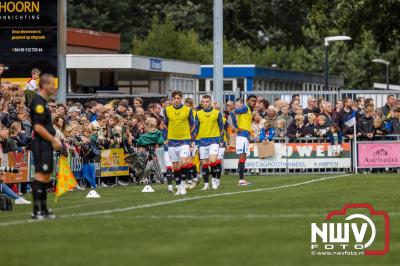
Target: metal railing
379,96
270,96
196,95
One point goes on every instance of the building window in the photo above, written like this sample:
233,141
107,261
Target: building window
202,85
240,84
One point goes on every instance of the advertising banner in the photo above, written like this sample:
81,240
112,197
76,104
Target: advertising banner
296,156
378,154
28,37
113,163
19,160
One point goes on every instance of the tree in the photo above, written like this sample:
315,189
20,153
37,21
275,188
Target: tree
130,18
356,17
286,32
165,41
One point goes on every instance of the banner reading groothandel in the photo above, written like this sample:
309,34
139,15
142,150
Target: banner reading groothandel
296,156
28,37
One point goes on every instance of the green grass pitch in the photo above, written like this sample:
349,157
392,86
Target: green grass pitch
269,225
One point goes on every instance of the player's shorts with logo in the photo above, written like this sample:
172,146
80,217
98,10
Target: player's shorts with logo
182,151
42,152
242,145
192,151
206,151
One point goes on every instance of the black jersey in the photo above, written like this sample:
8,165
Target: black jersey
40,114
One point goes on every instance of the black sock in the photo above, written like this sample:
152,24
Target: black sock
188,173
177,177
241,170
219,170
183,174
43,198
169,175
35,196
206,174
193,172
214,171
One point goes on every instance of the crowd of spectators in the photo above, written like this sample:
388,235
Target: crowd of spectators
116,124
86,129
322,119
119,123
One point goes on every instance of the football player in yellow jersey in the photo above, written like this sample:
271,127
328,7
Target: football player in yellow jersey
242,118
189,170
167,159
179,123
222,146
209,129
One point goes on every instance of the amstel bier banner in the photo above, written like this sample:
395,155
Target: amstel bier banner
28,38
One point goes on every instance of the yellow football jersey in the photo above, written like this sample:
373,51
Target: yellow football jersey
244,120
209,127
178,123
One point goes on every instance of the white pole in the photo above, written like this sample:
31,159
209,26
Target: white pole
218,82
355,153
62,50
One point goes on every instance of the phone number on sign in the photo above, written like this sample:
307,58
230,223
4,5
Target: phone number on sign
27,50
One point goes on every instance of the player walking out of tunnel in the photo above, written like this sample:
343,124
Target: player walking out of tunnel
210,131
242,118
179,123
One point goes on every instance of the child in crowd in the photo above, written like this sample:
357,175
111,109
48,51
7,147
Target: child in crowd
257,125
6,143
32,84
335,137
148,142
380,127
67,141
310,127
90,152
116,137
137,126
19,140
280,128
296,129
268,132
152,135
321,129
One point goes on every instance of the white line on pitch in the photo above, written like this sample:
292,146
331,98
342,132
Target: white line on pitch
222,216
162,203
212,216
169,202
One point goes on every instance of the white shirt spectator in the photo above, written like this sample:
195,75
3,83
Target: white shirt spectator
31,85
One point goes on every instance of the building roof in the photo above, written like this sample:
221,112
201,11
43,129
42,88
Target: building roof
128,61
93,39
254,71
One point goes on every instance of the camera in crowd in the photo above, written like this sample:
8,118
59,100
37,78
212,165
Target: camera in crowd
7,169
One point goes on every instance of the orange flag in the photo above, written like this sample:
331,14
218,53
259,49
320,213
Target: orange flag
65,177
